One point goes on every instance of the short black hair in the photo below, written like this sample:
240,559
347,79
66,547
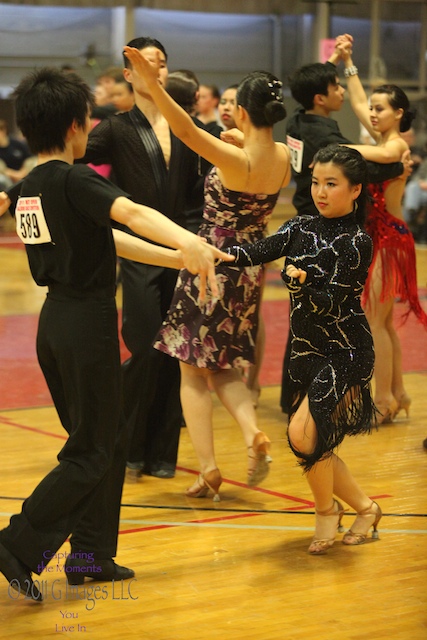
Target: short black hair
47,102
311,79
142,43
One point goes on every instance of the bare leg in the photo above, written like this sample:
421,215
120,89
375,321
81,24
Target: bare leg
252,381
236,398
397,384
379,316
346,487
368,511
303,434
196,402
327,478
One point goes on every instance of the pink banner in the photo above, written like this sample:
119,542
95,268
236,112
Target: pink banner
326,48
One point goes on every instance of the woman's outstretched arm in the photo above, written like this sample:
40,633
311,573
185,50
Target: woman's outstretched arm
216,151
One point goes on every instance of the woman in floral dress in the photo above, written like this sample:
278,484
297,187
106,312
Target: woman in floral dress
214,341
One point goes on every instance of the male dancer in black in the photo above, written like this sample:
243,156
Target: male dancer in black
63,216
158,170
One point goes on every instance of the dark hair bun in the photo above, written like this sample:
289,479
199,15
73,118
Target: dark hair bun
406,121
260,93
274,112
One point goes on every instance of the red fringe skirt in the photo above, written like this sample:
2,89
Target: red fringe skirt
394,243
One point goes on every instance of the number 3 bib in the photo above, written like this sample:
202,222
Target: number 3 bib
31,225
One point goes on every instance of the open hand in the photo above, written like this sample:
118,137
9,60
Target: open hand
147,68
199,257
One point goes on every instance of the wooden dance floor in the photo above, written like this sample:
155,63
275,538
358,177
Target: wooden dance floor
237,569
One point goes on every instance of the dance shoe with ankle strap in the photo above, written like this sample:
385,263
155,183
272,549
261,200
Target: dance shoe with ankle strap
319,546
366,519
260,452
211,480
386,413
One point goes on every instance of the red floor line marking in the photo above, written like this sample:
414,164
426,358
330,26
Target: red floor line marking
153,527
269,492
308,505
10,423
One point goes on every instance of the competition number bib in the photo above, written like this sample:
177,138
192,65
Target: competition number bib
296,147
31,225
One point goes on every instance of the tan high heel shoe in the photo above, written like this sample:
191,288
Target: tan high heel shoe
386,413
319,546
211,480
404,404
370,518
261,454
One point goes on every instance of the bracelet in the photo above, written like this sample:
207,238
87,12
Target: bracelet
351,71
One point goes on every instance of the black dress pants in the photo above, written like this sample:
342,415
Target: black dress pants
151,379
78,351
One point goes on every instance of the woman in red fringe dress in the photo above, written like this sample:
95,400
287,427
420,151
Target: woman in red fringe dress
392,274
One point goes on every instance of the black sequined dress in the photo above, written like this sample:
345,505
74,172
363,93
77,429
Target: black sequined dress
332,354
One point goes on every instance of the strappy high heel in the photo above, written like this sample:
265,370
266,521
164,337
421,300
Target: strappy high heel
261,454
319,546
370,518
386,413
403,404
211,480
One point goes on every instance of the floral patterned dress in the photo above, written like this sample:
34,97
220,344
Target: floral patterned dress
222,333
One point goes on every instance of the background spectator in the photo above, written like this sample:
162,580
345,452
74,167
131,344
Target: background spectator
14,153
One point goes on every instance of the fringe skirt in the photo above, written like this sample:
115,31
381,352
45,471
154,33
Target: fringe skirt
339,396
394,246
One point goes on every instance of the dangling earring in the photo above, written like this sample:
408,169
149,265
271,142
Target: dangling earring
356,206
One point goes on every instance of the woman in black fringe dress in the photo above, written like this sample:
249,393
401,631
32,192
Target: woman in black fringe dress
332,356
